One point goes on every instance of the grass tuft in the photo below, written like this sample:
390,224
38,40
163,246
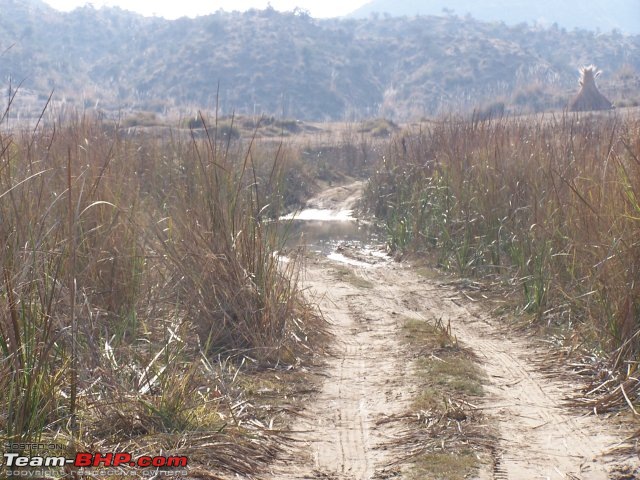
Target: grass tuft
448,380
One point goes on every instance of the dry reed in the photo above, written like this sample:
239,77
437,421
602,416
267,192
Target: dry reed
133,270
550,205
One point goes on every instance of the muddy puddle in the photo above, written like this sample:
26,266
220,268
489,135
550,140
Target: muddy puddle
331,232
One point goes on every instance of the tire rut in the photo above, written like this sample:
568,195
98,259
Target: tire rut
538,435
367,379
341,437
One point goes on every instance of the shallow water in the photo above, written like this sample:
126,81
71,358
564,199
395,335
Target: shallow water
321,215
323,231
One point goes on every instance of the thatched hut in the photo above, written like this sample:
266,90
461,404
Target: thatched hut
589,97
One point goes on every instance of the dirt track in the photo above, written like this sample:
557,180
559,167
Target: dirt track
369,378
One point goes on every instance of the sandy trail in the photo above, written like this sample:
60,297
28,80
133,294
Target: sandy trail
366,380
538,435
368,377
340,197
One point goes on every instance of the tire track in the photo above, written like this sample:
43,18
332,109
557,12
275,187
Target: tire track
539,437
340,437
366,380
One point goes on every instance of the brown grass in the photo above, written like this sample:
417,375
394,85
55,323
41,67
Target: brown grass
448,380
348,275
548,207
140,288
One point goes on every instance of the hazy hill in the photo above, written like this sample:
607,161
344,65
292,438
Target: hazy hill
289,64
602,15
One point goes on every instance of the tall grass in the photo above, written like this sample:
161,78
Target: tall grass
551,204
129,266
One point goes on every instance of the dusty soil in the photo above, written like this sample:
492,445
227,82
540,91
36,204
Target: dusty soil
368,377
338,198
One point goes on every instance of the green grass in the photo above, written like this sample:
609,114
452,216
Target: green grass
431,335
445,466
443,369
457,375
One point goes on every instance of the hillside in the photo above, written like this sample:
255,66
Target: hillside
291,65
601,15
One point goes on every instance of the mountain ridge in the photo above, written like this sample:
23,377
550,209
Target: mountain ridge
593,15
289,64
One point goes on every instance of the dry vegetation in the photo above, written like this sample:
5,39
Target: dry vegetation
141,303
451,441
548,209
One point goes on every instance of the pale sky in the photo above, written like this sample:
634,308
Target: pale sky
178,8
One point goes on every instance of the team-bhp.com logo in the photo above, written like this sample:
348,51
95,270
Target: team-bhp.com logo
84,460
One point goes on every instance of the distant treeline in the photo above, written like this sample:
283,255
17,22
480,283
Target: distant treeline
292,65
